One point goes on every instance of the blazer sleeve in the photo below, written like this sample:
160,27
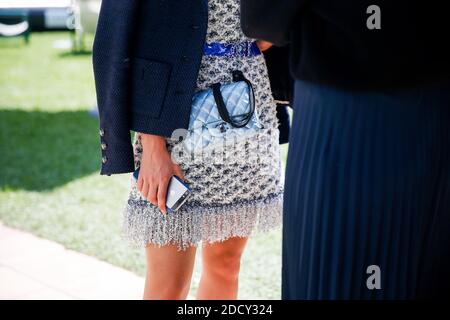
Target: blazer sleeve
111,61
270,20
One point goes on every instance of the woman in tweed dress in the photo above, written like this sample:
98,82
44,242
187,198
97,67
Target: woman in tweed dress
233,194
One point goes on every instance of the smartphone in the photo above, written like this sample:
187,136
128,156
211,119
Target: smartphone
177,192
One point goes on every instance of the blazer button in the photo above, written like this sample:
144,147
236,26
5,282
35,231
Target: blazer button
104,146
104,159
101,132
195,27
185,58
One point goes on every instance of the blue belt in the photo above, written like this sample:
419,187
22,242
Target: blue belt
240,49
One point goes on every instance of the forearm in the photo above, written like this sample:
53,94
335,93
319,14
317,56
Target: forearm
153,142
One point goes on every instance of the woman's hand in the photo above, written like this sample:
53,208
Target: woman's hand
263,45
156,170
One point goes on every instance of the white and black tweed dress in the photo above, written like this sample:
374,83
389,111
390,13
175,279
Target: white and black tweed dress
235,195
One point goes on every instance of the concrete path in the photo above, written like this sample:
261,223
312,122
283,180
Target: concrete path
35,268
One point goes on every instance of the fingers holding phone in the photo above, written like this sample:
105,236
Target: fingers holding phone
156,171
162,192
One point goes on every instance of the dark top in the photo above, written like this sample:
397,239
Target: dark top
146,59
331,43
281,81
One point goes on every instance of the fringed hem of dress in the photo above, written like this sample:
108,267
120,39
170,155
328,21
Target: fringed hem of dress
144,224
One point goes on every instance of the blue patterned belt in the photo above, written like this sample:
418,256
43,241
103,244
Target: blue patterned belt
240,49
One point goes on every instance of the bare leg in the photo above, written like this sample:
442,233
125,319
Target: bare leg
221,264
169,272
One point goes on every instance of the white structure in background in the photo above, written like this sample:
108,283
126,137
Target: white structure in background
35,3
86,16
56,14
13,30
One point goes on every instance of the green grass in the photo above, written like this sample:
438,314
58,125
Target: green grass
49,160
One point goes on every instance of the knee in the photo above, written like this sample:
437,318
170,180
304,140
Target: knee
223,263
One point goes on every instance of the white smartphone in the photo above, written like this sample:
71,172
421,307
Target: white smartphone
177,192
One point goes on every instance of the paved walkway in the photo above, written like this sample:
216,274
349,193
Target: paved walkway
35,268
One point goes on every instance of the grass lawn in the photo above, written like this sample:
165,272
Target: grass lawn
50,158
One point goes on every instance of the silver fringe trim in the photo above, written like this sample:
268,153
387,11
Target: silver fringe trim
144,224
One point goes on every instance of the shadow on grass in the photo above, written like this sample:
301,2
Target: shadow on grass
40,150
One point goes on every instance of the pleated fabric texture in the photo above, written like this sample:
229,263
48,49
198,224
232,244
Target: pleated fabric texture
367,183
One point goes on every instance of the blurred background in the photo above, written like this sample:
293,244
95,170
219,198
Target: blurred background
50,185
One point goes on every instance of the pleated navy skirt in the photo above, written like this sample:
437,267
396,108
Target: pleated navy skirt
367,184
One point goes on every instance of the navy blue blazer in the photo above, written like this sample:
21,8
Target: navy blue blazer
146,59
